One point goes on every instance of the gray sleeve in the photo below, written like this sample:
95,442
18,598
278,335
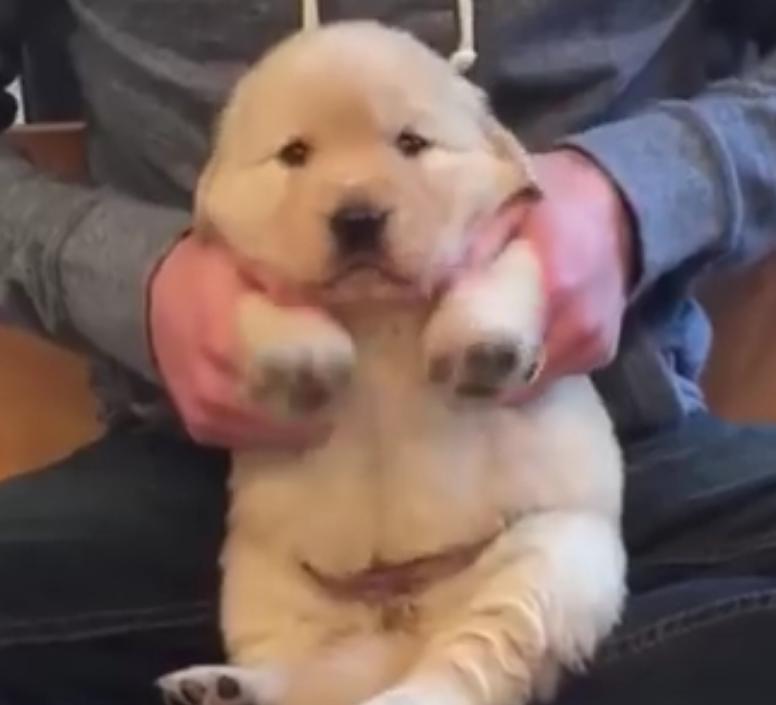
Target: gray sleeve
699,175
75,261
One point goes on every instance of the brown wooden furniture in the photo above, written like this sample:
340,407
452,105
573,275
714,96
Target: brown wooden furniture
740,380
46,409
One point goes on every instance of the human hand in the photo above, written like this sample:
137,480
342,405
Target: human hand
581,232
193,309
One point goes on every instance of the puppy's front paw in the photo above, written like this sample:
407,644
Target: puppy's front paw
298,361
298,381
480,364
485,338
218,685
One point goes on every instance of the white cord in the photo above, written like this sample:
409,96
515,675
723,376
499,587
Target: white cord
310,16
464,56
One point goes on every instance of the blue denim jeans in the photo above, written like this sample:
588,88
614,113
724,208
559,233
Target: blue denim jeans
108,572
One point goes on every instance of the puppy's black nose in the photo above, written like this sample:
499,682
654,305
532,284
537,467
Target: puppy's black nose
358,228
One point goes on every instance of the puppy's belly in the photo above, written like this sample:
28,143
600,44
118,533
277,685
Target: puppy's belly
347,508
404,476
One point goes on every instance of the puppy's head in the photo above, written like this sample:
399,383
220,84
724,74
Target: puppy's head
356,147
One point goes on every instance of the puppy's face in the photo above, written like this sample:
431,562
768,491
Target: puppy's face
356,147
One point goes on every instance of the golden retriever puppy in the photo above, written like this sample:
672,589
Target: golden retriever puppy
439,548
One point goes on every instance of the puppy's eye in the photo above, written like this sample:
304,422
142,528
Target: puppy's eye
295,154
411,144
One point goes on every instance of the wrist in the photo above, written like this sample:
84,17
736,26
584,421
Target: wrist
154,291
612,206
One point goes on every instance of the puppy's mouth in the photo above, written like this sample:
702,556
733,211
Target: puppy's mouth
367,269
369,279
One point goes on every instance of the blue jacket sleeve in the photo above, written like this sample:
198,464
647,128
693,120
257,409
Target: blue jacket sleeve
698,175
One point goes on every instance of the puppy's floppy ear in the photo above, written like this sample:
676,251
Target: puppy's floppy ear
508,149
223,126
203,226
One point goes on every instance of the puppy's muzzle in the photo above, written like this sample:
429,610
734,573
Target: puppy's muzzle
358,229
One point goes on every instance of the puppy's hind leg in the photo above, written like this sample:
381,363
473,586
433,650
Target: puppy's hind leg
548,591
271,621
289,642
342,672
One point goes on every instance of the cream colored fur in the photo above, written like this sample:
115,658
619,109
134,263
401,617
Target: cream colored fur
412,467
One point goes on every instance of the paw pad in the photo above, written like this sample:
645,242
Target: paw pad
481,370
213,685
300,389
227,688
489,363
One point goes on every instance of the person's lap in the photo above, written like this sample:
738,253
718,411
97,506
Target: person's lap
108,572
700,523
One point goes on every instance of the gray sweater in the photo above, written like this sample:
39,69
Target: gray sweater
631,82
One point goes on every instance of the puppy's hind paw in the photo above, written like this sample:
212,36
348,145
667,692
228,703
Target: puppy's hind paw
216,685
